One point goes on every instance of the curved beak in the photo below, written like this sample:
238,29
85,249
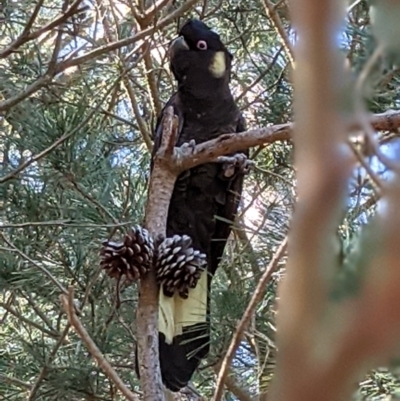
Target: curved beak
176,45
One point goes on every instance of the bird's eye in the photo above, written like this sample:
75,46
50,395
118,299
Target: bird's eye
202,45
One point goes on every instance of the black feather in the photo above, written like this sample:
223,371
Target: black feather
206,109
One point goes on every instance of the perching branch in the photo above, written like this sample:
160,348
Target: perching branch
229,143
225,144
162,183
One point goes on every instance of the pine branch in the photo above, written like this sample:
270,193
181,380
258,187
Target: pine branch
37,310
57,143
14,381
56,68
64,223
32,262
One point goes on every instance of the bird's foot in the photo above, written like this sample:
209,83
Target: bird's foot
189,147
186,149
179,266
130,257
238,163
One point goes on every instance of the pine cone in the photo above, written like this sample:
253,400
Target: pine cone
179,266
131,257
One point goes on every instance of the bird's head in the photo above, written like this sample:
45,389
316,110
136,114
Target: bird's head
198,55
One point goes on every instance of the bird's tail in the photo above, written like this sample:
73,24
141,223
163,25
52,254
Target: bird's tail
184,334
184,337
180,359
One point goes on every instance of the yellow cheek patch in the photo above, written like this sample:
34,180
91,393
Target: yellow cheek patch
218,65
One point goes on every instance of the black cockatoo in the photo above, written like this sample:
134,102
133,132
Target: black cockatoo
204,199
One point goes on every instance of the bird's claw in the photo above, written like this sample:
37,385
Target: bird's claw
238,163
186,149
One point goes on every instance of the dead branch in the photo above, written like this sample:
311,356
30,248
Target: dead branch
272,12
238,335
69,308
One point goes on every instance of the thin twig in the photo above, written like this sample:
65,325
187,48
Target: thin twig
103,211
49,360
238,335
14,381
37,265
37,310
69,308
57,45
374,177
29,24
64,223
128,41
26,36
232,386
50,333
29,90
143,126
272,13
151,12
